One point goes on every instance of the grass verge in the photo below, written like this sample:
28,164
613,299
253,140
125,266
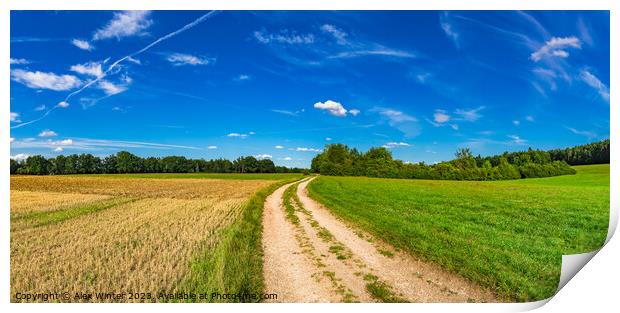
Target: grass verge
234,264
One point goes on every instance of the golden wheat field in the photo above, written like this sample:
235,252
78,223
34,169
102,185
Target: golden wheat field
100,234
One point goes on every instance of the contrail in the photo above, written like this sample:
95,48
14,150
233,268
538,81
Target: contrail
113,65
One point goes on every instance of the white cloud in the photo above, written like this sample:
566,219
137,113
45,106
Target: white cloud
303,149
283,37
328,139
125,24
14,117
65,142
178,59
517,140
338,34
212,147
354,112
392,144
440,116
529,118
454,126
556,47
251,133
595,83
82,44
90,68
263,156
243,77
448,29
133,60
332,107
110,88
63,104
279,147
40,107
395,116
584,133
516,122
20,156
286,159
422,77
59,149
48,133
19,61
470,115
42,80
243,136
383,51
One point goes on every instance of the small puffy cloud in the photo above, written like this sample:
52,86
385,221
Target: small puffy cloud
328,139
251,133
19,61
212,147
392,144
237,135
14,117
90,68
354,112
556,46
11,139
43,80
178,59
59,149
263,156
65,142
286,159
529,118
422,77
63,104
285,36
516,122
125,24
593,81
110,88
440,116
454,126
243,77
332,107
20,156
338,34
279,147
40,107
82,44
48,133
303,149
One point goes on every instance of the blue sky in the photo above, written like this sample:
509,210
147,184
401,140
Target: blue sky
281,85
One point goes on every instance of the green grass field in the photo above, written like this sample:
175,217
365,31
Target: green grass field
506,235
267,176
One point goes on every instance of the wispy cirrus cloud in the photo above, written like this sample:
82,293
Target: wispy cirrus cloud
93,144
125,24
402,121
393,144
19,61
585,133
89,68
594,82
284,36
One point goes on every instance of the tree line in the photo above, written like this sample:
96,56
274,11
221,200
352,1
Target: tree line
340,160
125,162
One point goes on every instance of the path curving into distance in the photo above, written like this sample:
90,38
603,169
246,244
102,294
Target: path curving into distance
312,256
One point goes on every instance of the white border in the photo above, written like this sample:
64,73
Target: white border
598,280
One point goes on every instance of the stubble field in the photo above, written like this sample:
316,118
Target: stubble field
125,234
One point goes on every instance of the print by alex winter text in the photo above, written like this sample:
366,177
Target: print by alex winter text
281,156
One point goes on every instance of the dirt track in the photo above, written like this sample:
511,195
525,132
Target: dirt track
322,259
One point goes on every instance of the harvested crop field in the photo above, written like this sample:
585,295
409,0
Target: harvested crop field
101,234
